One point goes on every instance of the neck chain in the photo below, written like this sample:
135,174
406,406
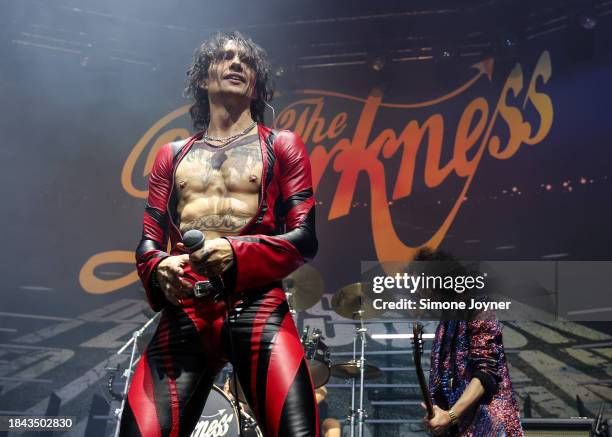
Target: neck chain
231,137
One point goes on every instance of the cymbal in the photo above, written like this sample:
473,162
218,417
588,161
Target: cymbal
353,302
304,288
350,369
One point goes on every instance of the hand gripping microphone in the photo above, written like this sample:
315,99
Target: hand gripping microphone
194,241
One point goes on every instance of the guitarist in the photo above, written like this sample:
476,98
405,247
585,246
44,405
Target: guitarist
469,380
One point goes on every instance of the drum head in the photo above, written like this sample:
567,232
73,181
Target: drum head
219,417
320,373
319,363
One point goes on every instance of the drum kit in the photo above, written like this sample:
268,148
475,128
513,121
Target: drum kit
304,288
226,410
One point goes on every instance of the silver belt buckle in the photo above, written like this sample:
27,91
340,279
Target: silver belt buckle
202,288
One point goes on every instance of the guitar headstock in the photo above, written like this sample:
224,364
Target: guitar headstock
417,339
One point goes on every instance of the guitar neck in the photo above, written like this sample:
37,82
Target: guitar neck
425,391
418,349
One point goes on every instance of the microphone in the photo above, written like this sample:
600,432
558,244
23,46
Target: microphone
193,240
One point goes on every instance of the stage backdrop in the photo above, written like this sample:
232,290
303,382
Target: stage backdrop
501,158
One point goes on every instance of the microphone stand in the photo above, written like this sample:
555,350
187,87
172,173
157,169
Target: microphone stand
226,299
127,374
194,240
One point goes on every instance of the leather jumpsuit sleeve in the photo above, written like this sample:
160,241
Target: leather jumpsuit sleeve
154,238
262,259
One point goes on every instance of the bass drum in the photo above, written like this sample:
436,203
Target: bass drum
219,417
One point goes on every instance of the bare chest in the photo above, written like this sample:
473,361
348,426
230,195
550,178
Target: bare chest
234,169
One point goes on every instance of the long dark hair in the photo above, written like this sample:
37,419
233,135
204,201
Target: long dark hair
212,50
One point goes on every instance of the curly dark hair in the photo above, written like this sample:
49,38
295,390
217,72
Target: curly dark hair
212,50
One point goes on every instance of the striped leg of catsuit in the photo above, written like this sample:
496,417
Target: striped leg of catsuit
271,367
173,378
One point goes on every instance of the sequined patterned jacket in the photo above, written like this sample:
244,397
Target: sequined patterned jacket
278,239
463,350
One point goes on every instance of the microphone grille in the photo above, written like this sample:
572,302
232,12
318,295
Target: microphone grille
193,238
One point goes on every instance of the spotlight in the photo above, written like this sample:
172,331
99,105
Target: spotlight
580,35
588,22
509,42
280,71
444,53
378,63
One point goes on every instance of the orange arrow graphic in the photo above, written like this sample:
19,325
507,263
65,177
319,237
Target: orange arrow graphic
485,68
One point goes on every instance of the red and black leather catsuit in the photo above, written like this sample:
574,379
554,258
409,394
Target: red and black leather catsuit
192,341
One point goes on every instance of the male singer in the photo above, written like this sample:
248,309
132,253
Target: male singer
249,190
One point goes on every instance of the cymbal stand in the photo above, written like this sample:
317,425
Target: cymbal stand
361,333
352,412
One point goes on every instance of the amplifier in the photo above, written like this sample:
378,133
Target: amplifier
558,427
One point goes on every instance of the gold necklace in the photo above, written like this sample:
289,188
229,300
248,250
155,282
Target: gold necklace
230,138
